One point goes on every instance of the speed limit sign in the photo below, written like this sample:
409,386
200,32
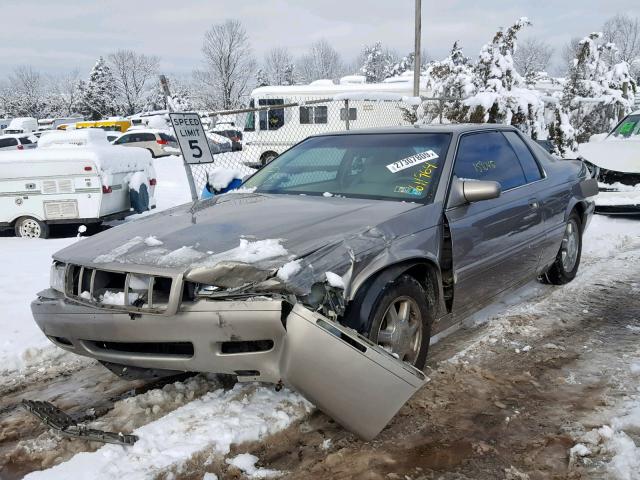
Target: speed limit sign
191,138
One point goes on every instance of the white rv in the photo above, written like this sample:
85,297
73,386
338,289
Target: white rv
75,182
269,133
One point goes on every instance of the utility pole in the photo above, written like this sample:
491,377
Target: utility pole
416,49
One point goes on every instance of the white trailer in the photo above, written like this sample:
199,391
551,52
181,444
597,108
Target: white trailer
70,184
351,104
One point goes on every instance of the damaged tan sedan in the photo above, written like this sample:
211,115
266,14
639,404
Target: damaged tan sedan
331,269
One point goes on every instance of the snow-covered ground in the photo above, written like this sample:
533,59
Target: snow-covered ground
173,439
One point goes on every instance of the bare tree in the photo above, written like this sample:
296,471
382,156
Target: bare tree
532,56
278,64
624,31
25,92
67,92
322,61
133,72
229,65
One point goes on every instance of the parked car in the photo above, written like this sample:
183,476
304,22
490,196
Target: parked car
615,158
17,142
74,177
155,141
331,269
231,133
218,143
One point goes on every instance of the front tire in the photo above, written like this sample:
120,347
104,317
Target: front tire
29,227
565,266
267,158
401,321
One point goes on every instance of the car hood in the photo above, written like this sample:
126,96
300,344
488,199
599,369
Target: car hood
244,227
611,154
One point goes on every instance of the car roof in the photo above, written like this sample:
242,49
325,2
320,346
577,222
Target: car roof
146,130
431,128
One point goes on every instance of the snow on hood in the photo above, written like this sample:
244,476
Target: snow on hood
618,155
234,228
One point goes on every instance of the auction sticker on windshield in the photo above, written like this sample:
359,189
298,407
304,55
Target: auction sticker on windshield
191,137
411,161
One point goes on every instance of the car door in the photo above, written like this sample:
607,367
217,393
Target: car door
496,243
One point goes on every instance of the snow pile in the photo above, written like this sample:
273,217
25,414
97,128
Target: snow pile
220,177
116,253
334,280
212,423
250,252
247,463
115,298
152,241
74,138
288,270
180,256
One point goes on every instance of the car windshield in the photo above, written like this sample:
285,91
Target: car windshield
391,166
629,127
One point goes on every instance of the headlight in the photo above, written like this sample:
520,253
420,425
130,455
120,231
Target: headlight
56,277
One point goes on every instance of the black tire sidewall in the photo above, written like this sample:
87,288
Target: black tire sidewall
404,285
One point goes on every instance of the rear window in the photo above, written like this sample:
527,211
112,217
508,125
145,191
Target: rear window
25,141
8,142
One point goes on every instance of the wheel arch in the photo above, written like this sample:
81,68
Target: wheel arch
425,270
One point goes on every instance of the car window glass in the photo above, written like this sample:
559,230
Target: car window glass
383,166
147,137
488,156
25,141
8,142
527,161
629,127
123,139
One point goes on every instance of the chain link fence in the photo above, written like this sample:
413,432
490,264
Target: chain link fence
273,126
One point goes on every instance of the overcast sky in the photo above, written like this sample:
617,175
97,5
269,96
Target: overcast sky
59,35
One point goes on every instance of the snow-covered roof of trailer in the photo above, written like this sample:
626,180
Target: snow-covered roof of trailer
107,158
349,84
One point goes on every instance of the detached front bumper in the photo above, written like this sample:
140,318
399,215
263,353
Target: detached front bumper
243,338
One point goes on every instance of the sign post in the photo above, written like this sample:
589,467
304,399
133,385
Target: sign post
193,143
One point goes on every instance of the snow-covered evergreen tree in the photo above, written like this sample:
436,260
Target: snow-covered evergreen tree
502,95
97,95
261,78
376,64
451,80
289,77
596,94
403,65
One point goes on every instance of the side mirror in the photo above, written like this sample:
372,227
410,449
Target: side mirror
469,191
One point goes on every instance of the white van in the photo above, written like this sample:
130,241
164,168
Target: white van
78,184
22,125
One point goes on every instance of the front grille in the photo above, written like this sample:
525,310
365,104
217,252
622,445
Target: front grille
127,291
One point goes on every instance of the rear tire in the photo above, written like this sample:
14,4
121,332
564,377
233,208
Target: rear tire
29,227
565,266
